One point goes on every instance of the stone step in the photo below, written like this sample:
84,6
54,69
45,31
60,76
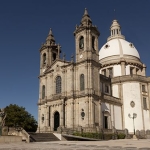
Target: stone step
41,137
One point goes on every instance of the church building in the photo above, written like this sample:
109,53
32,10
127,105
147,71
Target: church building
105,88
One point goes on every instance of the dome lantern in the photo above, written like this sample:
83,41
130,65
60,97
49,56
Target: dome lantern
115,31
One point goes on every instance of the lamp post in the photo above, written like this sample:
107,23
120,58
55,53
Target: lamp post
133,117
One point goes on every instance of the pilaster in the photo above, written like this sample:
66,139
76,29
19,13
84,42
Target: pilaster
123,72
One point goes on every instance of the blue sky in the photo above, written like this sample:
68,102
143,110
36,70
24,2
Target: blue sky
25,24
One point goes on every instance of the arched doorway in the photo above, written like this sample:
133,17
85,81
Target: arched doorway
56,120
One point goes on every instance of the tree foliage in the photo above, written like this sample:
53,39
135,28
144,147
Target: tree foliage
18,116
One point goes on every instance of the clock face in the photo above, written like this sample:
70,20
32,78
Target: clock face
81,56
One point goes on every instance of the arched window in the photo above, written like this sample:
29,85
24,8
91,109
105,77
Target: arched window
58,84
93,42
81,82
81,42
43,91
44,59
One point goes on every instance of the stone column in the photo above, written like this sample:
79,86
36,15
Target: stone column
90,40
96,43
120,89
87,114
45,88
66,114
50,56
62,114
52,84
45,116
144,70
85,41
39,118
86,79
134,70
72,113
123,68
100,111
49,119
148,90
142,107
92,112
52,119
63,82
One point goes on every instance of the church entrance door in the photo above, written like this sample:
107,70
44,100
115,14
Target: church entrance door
106,122
56,120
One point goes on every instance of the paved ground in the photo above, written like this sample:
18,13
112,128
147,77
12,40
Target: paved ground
127,144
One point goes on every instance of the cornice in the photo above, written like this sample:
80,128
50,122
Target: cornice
128,78
111,99
81,28
89,61
117,60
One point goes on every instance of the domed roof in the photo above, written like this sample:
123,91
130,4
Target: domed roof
117,45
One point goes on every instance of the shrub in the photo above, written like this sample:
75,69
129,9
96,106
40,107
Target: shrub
77,134
121,136
108,136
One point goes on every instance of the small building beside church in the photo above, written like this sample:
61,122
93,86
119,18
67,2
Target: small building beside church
102,89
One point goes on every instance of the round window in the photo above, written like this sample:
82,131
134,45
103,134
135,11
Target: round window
132,104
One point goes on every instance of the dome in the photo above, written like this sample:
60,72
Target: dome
119,47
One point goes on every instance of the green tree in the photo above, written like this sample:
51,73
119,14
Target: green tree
18,116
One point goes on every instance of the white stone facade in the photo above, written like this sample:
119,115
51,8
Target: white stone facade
97,89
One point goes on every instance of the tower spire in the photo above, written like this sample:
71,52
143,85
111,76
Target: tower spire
50,32
50,40
86,20
85,12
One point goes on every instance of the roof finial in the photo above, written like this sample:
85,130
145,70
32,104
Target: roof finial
72,58
50,37
50,31
64,56
85,11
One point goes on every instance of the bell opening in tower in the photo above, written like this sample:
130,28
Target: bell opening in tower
81,42
54,56
93,42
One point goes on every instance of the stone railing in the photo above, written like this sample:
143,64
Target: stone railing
20,132
142,134
25,135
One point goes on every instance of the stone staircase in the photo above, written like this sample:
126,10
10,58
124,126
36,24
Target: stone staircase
42,137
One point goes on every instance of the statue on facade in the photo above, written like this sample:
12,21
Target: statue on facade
2,120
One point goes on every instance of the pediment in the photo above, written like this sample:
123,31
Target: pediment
56,66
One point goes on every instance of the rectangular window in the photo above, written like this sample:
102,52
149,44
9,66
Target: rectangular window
110,71
104,72
101,86
144,103
143,88
137,71
106,89
131,71
106,122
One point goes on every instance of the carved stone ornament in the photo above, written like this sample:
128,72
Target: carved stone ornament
132,104
82,114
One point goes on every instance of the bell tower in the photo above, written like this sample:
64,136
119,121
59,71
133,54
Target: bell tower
86,39
49,52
